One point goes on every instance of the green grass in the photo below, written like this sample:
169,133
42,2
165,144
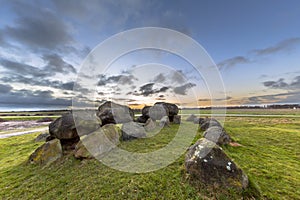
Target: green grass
295,112
269,155
29,118
21,130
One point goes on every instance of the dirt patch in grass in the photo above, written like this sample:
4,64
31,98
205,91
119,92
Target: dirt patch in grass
19,125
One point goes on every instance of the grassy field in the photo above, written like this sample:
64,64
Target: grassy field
269,154
295,112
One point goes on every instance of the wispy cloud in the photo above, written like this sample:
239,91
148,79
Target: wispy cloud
231,62
288,97
281,84
284,45
122,79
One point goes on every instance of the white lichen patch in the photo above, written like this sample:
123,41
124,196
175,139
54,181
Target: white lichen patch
228,166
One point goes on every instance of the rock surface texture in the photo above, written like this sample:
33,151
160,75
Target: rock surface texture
113,113
208,163
47,153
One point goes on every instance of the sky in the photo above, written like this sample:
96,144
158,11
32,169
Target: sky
45,47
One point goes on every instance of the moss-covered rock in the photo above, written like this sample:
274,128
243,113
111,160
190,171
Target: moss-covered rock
132,130
99,142
208,163
47,153
218,135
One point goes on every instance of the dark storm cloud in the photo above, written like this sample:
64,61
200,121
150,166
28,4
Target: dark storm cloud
56,64
182,90
5,88
233,61
37,27
281,46
148,90
122,79
36,97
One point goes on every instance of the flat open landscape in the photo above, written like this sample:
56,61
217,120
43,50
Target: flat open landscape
269,154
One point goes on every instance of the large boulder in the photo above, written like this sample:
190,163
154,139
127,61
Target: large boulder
164,122
99,142
142,119
86,122
63,127
158,111
217,135
42,137
177,119
199,120
208,122
145,111
150,125
113,113
171,109
132,130
208,163
81,152
47,153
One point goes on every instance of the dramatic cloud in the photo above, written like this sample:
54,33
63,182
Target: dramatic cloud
55,64
38,82
233,61
182,90
22,69
281,46
5,88
118,79
37,97
38,28
148,90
